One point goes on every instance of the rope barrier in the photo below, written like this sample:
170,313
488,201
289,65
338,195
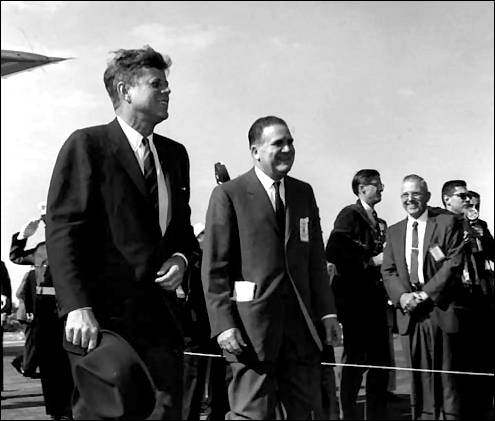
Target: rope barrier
383,367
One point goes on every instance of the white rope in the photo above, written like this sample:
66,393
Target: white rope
383,367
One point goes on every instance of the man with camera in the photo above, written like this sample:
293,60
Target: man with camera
478,282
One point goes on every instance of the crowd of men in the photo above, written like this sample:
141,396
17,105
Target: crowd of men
133,288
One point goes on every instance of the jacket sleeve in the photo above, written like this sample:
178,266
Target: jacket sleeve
69,208
18,253
392,282
220,245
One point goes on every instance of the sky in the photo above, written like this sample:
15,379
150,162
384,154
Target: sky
401,87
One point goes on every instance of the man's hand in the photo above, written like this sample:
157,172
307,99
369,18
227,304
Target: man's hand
170,275
477,228
29,229
82,328
4,301
408,301
29,317
377,260
333,331
231,341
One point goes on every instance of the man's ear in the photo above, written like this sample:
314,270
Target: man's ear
123,92
255,151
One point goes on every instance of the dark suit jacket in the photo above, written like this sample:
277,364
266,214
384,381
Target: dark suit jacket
243,243
358,287
6,288
443,282
104,240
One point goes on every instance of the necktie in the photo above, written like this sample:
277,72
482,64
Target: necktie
414,277
150,174
279,208
375,217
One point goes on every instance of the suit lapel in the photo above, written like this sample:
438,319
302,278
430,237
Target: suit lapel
260,200
126,157
401,247
291,204
431,224
164,156
359,207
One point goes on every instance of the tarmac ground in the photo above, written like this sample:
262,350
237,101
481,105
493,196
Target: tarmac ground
22,397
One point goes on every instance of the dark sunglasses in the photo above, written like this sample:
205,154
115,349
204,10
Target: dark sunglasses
462,196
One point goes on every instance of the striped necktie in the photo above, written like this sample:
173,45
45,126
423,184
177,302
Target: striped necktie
150,177
414,276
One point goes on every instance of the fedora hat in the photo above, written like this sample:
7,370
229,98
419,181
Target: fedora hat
112,382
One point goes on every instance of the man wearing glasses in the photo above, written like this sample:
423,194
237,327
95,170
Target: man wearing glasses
477,279
355,246
422,266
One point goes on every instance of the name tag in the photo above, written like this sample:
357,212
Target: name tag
304,229
437,253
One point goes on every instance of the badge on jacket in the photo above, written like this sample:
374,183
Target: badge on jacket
437,253
244,291
304,229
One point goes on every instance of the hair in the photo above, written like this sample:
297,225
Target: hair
256,131
416,179
449,187
362,177
126,66
472,193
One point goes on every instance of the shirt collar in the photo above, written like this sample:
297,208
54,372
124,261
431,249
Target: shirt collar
423,218
265,180
134,137
367,208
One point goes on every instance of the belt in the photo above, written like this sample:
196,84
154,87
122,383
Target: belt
45,290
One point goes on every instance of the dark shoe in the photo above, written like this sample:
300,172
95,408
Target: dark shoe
17,364
34,375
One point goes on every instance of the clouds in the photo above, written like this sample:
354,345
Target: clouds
191,37
406,91
36,6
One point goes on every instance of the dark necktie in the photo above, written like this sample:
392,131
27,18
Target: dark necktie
414,277
150,174
279,208
375,217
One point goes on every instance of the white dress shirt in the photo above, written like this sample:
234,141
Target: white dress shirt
136,142
369,211
269,185
421,238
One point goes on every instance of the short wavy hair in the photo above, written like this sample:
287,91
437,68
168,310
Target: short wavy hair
126,66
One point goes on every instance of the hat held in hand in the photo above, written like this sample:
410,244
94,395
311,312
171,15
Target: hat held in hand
112,382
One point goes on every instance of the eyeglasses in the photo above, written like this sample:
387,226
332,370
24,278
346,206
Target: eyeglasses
415,196
462,196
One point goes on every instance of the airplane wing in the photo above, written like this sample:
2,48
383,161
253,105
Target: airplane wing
19,61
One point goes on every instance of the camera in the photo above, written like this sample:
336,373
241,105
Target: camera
471,214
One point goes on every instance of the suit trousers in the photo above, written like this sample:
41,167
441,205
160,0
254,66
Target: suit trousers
55,369
258,388
434,396
365,343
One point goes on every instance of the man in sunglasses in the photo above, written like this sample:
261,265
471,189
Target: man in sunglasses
478,282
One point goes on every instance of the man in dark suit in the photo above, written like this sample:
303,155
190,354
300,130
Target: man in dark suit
6,293
422,266
479,247
265,281
355,246
119,234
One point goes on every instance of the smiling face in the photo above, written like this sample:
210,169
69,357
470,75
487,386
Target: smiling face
275,153
414,197
149,96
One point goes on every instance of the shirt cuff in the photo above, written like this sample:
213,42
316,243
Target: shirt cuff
184,257
329,316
